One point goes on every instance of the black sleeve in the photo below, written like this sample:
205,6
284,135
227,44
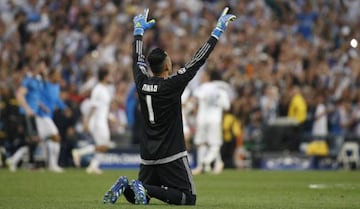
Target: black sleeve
139,60
186,73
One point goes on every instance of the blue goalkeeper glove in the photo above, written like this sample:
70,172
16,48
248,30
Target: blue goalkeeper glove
222,23
141,24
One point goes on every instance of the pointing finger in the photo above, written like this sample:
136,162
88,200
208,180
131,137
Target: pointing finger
226,9
146,13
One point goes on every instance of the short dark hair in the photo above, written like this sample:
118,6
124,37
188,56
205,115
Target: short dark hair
102,73
214,75
52,72
156,60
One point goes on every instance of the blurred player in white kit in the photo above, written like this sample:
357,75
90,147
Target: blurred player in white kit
213,99
96,122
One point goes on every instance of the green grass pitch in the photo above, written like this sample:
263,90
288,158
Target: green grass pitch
235,189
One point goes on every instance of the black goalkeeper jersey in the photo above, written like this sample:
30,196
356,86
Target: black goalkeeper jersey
160,100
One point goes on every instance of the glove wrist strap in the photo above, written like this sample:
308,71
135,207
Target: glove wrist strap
216,33
139,31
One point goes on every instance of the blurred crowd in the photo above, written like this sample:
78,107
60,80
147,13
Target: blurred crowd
273,49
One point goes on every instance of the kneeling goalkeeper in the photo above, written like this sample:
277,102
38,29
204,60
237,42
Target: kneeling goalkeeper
164,171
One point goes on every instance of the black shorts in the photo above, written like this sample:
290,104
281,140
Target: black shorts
30,129
176,174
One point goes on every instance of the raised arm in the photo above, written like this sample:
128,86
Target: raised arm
186,73
203,53
139,60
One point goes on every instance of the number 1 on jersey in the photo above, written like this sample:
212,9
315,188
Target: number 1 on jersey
150,109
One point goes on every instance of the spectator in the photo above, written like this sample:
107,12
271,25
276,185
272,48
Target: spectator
297,107
232,136
320,124
297,111
269,104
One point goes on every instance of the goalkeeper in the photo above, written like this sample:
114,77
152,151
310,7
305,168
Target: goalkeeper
164,170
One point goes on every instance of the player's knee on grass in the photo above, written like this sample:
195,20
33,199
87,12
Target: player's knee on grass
190,199
169,195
